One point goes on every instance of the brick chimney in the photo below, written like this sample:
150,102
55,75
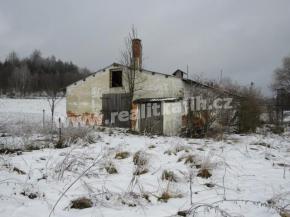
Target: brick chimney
137,53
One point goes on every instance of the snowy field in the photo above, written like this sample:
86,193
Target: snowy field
247,175
29,109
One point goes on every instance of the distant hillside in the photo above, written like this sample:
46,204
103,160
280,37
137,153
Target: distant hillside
36,75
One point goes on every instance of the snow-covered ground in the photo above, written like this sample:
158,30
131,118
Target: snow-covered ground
29,109
250,173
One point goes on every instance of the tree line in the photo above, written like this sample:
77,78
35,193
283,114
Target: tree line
36,75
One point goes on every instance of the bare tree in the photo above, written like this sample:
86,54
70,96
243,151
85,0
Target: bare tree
21,78
13,58
249,110
53,96
132,62
282,76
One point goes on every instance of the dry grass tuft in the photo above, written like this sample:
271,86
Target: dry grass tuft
111,168
81,203
19,171
75,134
122,155
151,146
29,195
140,158
169,176
178,148
285,214
204,173
188,159
166,195
140,171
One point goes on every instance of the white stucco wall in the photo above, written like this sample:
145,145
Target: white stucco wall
85,96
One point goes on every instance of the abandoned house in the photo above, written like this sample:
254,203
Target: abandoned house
103,98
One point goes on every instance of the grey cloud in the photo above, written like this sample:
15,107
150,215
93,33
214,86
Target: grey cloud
245,39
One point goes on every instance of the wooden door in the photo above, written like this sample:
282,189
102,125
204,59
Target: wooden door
149,123
113,104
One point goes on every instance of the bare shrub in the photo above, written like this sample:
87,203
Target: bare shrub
75,134
249,110
216,133
74,162
84,172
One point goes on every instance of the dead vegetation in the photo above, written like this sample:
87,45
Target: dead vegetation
178,148
7,164
263,144
133,199
284,214
209,185
19,171
169,176
76,134
81,203
141,161
29,195
204,173
140,171
111,168
151,146
167,195
140,158
122,155
187,158
11,151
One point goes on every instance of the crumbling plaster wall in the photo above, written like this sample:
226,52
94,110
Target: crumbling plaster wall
85,96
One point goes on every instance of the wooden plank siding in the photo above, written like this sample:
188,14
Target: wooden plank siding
115,103
149,123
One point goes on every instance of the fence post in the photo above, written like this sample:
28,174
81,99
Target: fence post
59,129
43,118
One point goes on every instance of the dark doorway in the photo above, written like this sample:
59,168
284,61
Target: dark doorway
149,123
112,106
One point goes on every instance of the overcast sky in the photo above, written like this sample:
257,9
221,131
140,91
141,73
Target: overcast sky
246,39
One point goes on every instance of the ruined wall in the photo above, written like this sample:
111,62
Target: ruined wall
157,85
84,98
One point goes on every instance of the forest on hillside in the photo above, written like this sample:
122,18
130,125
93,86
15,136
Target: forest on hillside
36,75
